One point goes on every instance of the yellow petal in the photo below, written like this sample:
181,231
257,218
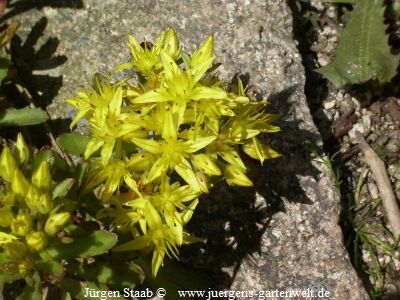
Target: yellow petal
140,162
149,145
187,214
92,147
151,96
171,69
156,261
202,58
204,163
203,92
189,176
21,149
233,158
169,128
136,244
171,44
259,151
116,102
152,216
234,175
193,146
107,151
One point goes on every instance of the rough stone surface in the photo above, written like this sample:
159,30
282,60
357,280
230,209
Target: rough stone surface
283,234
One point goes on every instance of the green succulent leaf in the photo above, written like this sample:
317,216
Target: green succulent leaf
363,52
76,289
95,243
8,270
23,117
4,64
52,268
33,289
114,274
73,143
61,190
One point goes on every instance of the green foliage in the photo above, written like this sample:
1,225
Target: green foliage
363,52
23,117
73,143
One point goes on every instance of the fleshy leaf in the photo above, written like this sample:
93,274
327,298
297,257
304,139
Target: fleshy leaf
23,117
73,143
95,243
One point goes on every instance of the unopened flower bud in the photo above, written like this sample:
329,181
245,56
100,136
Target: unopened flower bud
16,250
19,184
24,267
21,150
36,240
41,178
56,222
21,224
45,204
7,164
6,217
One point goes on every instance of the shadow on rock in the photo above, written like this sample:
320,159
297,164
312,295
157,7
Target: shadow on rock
30,77
21,6
232,220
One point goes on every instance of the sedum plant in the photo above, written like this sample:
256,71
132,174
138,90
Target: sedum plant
158,139
162,136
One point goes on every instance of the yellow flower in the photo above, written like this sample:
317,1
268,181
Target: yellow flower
172,156
146,58
56,222
102,108
21,224
36,240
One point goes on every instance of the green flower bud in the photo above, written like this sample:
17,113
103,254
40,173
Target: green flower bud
56,222
36,240
7,164
21,224
24,267
6,217
19,184
38,201
16,250
41,178
45,204
21,150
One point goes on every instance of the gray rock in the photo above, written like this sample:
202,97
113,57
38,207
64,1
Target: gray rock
284,234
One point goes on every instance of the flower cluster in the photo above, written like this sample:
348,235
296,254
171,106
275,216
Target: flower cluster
29,214
161,137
